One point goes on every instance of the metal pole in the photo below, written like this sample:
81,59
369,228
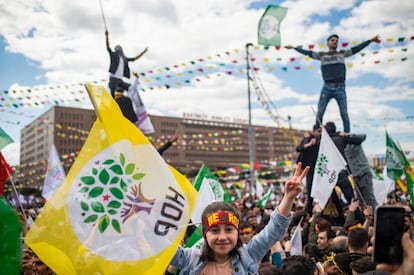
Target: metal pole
251,156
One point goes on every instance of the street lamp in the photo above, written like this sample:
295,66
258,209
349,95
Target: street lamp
251,157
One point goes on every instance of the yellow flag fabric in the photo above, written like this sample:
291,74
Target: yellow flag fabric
121,209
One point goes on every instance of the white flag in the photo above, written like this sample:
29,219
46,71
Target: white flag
259,189
144,121
55,175
382,187
296,241
205,197
328,165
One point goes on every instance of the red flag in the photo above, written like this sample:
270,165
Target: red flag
5,172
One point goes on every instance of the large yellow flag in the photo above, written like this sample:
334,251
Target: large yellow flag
121,209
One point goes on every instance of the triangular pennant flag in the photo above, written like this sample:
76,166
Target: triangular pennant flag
328,165
4,139
55,175
121,209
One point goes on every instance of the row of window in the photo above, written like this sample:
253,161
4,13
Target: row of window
74,116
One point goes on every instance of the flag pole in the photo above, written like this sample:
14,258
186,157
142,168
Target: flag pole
17,195
251,157
103,15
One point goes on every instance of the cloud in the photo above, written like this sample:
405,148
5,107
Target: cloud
67,41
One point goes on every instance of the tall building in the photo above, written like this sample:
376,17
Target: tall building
218,142
65,127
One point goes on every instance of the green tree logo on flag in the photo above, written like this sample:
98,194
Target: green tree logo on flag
322,165
269,25
108,182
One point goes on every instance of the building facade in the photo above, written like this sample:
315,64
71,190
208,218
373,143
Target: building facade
65,127
221,145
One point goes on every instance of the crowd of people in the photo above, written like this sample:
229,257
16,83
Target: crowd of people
331,244
247,239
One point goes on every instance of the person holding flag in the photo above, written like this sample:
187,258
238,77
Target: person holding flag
333,74
111,219
10,226
118,67
223,251
308,153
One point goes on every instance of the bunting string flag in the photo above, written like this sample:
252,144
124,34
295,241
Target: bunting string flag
5,139
224,63
107,217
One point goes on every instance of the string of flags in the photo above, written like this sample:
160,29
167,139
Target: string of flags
189,72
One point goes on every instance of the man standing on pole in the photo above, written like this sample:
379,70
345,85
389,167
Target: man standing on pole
333,74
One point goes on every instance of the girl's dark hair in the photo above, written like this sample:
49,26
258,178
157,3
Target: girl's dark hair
208,253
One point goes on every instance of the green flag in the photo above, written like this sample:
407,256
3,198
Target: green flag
206,176
398,165
264,200
269,25
4,139
236,191
196,239
394,159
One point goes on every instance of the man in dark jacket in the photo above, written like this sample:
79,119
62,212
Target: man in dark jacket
308,154
361,170
118,67
341,139
125,104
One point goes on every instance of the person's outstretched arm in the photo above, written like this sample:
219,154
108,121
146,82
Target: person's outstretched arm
311,54
107,40
141,54
361,46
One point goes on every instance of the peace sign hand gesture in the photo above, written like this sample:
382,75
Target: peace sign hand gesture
293,186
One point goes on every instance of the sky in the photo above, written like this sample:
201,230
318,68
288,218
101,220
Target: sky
196,61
